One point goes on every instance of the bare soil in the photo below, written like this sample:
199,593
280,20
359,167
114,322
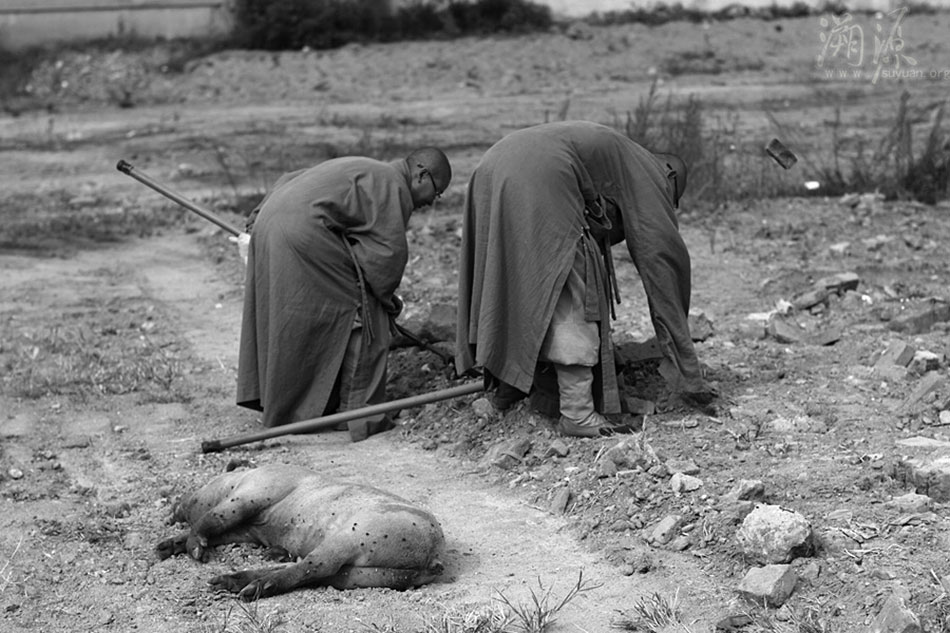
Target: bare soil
119,351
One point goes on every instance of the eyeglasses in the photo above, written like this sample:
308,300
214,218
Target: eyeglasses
438,194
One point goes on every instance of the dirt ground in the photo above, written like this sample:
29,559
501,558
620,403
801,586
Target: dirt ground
119,353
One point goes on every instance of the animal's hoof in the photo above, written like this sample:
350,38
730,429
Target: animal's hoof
170,547
196,548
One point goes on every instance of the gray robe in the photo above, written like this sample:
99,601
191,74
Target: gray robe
523,223
328,246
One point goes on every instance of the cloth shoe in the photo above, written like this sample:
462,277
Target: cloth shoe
596,425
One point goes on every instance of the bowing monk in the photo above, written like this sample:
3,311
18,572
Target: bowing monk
536,283
327,252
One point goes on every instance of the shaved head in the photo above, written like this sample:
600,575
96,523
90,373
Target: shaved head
678,175
435,162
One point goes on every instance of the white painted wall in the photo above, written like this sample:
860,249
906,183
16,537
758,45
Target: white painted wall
581,8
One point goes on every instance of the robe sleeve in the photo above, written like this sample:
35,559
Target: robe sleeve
376,210
663,262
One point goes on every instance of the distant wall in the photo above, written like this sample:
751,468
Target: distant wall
25,23
581,8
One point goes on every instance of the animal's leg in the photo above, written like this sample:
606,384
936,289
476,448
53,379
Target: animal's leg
224,518
171,546
319,565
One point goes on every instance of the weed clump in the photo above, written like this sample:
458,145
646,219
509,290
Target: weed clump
323,24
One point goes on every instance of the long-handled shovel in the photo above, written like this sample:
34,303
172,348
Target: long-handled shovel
127,168
330,421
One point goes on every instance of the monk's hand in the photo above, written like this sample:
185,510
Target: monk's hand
243,241
396,308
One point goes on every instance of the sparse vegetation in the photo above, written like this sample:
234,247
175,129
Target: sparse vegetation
653,614
294,24
538,614
853,162
250,619
119,348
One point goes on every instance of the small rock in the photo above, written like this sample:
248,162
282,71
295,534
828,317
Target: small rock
839,248
809,572
663,532
910,503
771,534
685,466
772,584
561,500
680,543
557,448
839,283
895,617
925,361
928,384
784,331
921,321
685,483
897,353
747,490
15,473
483,409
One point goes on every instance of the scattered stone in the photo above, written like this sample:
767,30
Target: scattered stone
561,500
927,443
772,534
798,424
752,328
680,543
839,248
685,483
663,532
783,331
921,321
809,572
840,282
700,325
929,474
910,503
897,353
771,585
747,490
895,617
925,361
826,337
875,243
483,409
834,542
557,448
685,466
631,454
929,383
508,454
810,298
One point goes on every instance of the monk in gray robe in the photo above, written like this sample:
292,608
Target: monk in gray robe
327,252
536,288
